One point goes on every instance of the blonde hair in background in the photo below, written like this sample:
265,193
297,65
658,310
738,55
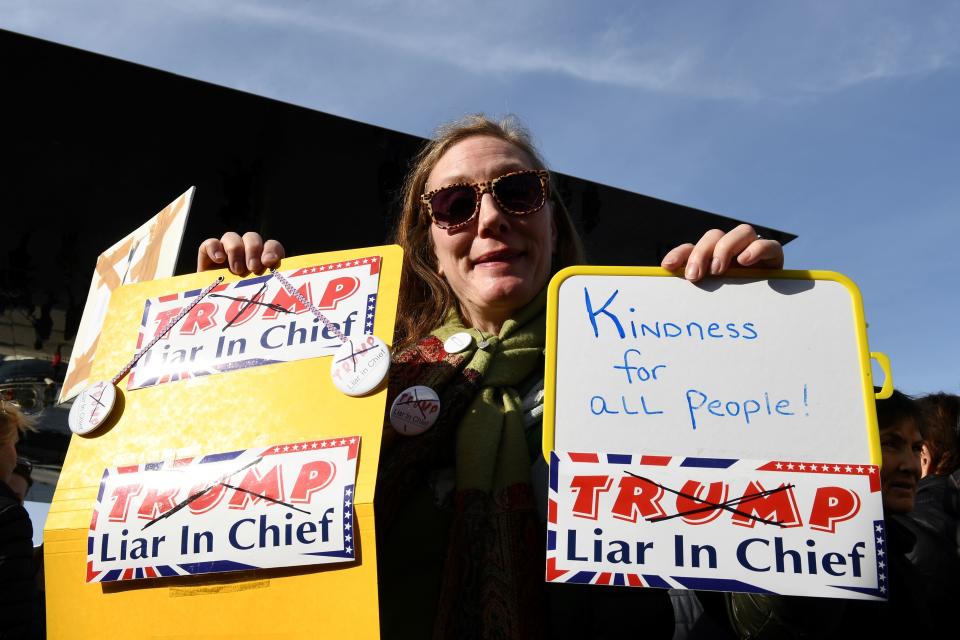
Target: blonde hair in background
424,296
13,422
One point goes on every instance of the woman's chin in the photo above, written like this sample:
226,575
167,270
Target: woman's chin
491,298
508,294
899,500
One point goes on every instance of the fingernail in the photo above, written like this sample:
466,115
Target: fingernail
715,266
219,256
236,267
669,263
251,264
693,272
269,256
746,256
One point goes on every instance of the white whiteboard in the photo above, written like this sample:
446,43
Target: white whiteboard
726,368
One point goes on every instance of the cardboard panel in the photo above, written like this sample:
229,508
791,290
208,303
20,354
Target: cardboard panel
147,253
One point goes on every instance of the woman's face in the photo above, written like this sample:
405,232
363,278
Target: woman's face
497,262
900,446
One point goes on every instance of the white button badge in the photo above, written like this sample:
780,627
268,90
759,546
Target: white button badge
92,407
457,342
415,410
359,367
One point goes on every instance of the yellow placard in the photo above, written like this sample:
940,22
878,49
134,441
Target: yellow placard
258,406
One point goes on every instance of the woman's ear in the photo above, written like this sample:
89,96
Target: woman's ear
926,461
432,249
436,261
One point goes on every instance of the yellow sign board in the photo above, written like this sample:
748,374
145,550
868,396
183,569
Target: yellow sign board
239,409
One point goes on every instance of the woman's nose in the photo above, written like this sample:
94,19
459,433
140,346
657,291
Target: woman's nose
491,219
909,462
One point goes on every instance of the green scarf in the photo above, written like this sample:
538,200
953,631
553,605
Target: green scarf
492,574
491,448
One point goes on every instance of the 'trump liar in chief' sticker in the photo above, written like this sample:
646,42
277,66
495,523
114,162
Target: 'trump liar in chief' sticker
286,505
258,321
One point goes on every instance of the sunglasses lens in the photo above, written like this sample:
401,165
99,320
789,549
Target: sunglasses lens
520,193
453,205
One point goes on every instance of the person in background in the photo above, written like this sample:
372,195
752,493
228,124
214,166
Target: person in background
19,602
906,610
460,543
937,494
935,519
20,480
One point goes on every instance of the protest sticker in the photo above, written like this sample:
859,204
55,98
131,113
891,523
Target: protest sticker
279,506
772,527
255,322
741,371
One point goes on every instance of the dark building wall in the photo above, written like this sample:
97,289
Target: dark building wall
93,146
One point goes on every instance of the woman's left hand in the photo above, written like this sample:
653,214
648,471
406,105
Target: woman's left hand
716,252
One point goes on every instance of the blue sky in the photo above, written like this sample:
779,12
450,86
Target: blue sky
837,121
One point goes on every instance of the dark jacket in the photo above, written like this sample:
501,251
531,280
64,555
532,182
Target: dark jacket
937,508
19,603
758,616
934,522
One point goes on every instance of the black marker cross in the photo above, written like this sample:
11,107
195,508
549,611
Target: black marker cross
253,300
267,498
416,401
353,354
726,506
199,494
269,305
97,399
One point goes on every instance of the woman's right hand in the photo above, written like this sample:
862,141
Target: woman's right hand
242,255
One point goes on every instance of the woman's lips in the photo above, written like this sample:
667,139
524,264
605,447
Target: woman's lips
494,258
903,486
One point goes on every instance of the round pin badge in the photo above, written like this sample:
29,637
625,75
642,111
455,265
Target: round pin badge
92,407
457,342
359,366
415,410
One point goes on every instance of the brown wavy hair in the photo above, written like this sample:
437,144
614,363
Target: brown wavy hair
941,431
425,297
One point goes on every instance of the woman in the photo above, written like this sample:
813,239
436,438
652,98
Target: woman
941,434
461,549
936,516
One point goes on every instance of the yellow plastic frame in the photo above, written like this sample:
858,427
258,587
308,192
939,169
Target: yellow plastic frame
869,397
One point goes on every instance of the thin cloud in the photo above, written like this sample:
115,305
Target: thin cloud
479,48
713,54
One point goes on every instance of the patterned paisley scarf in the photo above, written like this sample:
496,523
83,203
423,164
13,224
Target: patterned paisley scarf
492,576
